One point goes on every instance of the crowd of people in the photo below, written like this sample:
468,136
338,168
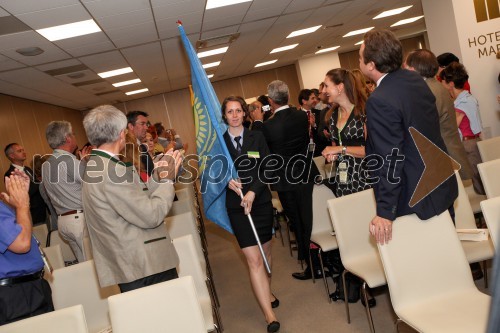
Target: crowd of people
117,190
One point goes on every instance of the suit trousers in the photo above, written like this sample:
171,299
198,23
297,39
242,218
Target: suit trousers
474,159
73,229
297,204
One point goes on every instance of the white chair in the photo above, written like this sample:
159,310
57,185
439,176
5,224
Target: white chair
322,229
320,163
67,320
56,239
429,279
351,216
491,213
41,232
464,219
165,307
474,198
489,149
54,256
78,284
490,175
189,265
180,207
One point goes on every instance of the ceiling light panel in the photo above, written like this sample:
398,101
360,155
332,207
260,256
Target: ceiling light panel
360,42
357,32
126,83
284,48
266,63
115,72
137,91
328,49
211,4
212,52
210,76
212,64
303,31
392,12
69,30
406,21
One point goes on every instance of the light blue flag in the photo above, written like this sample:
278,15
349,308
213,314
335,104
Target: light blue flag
215,163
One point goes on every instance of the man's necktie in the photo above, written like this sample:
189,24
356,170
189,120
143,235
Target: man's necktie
309,122
238,144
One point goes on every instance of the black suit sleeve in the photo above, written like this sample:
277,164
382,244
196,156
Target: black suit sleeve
257,185
386,132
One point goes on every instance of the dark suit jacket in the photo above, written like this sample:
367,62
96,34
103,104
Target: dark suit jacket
403,100
248,168
287,135
319,139
257,126
38,209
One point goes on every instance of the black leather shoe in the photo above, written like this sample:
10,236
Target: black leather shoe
273,327
477,274
275,303
306,274
371,301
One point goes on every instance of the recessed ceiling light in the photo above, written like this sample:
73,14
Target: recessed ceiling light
221,3
303,31
212,64
358,32
212,52
136,91
266,63
125,83
360,42
392,12
408,20
284,48
210,76
69,30
327,49
30,51
115,72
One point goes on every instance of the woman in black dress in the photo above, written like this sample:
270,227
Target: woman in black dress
248,148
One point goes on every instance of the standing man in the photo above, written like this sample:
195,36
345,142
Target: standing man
257,115
17,156
137,123
401,100
23,291
287,135
62,178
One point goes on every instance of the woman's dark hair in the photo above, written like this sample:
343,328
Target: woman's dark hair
352,88
384,49
263,99
446,58
232,98
424,62
456,73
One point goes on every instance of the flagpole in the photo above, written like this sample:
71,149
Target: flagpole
264,258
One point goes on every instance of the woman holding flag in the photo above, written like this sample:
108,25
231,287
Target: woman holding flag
247,149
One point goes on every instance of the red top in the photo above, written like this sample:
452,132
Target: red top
464,125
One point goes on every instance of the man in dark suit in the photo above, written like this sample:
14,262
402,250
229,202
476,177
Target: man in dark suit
257,116
287,136
401,101
17,156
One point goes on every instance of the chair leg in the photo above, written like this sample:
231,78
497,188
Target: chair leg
324,276
310,266
485,274
398,321
367,306
346,299
289,238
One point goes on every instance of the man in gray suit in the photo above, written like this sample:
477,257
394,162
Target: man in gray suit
130,243
424,62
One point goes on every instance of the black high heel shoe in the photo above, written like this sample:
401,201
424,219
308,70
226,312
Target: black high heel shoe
273,327
275,303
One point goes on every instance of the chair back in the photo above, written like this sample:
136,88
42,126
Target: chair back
71,319
40,231
170,306
491,213
320,164
490,175
423,260
321,218
78,284
56,239
488,149
185,224
179,207
54,256
464,217
351,216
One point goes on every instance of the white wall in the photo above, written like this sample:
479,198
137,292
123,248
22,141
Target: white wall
474,38
311,71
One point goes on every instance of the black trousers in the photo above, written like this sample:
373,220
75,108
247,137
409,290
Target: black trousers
149,280
297,205
23,300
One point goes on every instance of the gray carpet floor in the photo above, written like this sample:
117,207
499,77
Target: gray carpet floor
304,305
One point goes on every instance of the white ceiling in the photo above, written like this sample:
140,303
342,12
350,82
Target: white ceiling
143,34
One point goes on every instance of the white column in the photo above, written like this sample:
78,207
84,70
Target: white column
311,71
452,26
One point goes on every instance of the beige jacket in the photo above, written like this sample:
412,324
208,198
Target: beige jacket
125,221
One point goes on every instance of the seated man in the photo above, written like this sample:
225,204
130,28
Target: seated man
23,291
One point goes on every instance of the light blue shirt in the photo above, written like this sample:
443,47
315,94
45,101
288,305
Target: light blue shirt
469,105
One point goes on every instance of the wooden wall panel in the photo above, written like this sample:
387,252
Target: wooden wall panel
228,87
255,84
288,74
9,132
181,117
28,128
